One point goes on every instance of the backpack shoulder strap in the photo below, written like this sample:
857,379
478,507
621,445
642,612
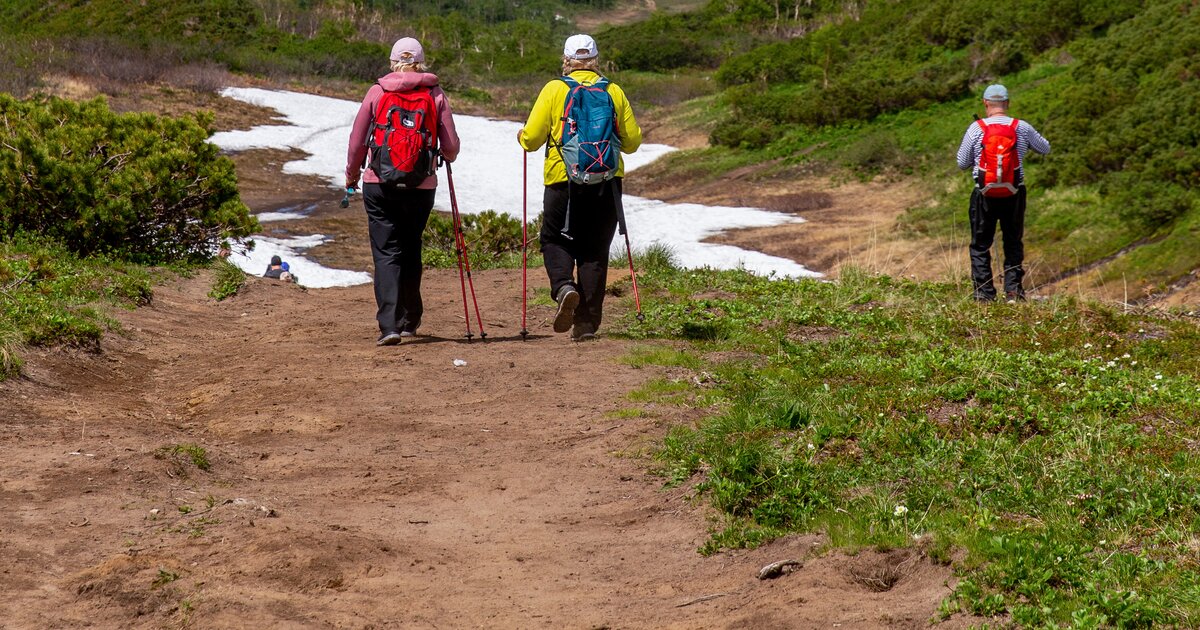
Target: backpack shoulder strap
1015,122
982,125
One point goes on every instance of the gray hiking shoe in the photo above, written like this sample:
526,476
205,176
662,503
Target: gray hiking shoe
568,299
389,338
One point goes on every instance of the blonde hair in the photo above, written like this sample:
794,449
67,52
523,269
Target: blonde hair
409,66
570,65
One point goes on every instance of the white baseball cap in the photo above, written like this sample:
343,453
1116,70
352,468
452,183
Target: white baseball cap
580,47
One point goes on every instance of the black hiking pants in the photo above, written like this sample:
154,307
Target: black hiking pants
985,213
578,224
396,220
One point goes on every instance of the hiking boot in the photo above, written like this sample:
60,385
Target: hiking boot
410,330
583,332
1012,297
568,299
389,338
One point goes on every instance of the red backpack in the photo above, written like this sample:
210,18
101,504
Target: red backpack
999,160
403,138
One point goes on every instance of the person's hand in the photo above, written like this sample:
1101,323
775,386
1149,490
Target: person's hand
521,135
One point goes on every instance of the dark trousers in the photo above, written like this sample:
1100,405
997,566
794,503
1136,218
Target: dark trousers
985,213
578,224
396,219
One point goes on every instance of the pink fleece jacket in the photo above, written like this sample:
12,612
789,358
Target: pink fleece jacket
448,142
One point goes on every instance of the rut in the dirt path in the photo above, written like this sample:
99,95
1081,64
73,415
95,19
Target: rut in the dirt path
355,486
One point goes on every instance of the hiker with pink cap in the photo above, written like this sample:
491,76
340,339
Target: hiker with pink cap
403,127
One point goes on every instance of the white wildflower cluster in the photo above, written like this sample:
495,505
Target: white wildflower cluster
900,510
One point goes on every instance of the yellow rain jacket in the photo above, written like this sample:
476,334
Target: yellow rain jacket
546,119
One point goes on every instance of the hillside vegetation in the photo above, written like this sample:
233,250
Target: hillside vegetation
886,89
192,43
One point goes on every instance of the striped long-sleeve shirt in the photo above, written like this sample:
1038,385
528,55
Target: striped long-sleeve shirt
972,144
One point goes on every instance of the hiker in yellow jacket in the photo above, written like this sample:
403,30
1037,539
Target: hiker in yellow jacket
581,206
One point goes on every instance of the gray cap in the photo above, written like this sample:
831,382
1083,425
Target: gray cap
995,92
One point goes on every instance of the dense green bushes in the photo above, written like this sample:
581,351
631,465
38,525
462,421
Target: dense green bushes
900,55
1126,116
663,42
134,186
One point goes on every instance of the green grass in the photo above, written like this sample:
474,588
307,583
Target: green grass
227,280
193,453
49,296
1050,443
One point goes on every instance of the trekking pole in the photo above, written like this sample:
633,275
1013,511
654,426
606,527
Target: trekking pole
461,280
637,301
465,256
458,253
524,238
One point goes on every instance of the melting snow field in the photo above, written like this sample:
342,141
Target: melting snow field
487,175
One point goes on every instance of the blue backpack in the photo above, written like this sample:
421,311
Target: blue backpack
591,148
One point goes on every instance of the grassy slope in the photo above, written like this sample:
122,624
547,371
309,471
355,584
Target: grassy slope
49,296
1052,442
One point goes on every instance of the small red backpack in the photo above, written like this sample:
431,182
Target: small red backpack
403,138
999,160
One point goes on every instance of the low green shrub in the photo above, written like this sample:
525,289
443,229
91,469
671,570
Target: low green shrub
493,240
133,186
228,279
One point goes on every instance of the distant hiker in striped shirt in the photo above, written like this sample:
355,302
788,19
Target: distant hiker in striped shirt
987,148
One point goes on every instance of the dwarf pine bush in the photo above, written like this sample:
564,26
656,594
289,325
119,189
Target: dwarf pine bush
137,187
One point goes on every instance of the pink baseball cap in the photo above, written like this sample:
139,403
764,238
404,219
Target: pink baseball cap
408,49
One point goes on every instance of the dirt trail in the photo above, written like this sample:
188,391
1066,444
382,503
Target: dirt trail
363,487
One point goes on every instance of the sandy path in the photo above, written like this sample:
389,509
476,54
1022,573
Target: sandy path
353,486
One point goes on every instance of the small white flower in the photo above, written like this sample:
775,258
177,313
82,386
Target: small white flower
1112,364
1037,343
1103,369
1086,346
899,511
1126,355
810,446
1060,385
1133,363
1158,377
1141,330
